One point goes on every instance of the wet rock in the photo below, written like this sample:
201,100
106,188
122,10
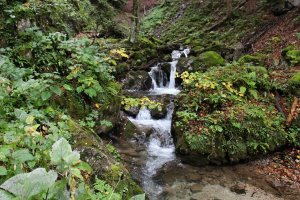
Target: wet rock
137,80
165,101
133,111
239,188
130,129
110,113
196,188
166,67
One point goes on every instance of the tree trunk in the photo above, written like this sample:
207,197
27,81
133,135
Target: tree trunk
135,21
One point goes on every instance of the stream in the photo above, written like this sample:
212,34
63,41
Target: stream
150,156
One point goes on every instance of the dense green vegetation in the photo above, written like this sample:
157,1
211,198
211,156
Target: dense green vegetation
64,63
228,113
55,88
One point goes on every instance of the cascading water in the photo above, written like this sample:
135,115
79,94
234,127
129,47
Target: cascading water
160,147
161,84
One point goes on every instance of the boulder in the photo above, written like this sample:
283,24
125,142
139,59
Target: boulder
93,151
109,113
137,80
212,58
165,102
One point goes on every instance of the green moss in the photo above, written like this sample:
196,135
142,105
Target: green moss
295,80
294,85
256,59
212,58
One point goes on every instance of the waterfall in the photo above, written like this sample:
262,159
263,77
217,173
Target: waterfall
160,147
160,82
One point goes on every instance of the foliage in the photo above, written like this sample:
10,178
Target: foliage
67,16
226,114
142,103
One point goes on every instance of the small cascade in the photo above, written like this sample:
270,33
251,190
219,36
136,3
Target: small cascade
161,84
160,148
144,114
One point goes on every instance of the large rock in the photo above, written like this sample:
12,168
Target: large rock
137,80
160,113
109,113
93,151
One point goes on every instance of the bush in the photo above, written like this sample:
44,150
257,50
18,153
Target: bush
227,114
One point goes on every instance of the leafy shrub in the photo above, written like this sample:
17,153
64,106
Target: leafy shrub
226,114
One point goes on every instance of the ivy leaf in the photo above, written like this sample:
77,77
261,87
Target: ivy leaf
46,95
3,171
27,185
56,90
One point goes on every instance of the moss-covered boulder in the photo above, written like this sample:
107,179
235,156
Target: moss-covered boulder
255,59
227,114
212,58
137,80
105,164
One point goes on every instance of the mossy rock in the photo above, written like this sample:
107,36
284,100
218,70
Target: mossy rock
137,80
294,84
93,151
256,59
236,139
212,58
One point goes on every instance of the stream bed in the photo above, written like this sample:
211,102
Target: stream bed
150,157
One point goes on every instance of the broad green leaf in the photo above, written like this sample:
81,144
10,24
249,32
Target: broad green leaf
27,185
29,119
68,87
138,197
84,167
5,195
72,158
91,92
22,155
62,153
56,90
254,93
46,95
243,90
3,171
76,172
59,190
